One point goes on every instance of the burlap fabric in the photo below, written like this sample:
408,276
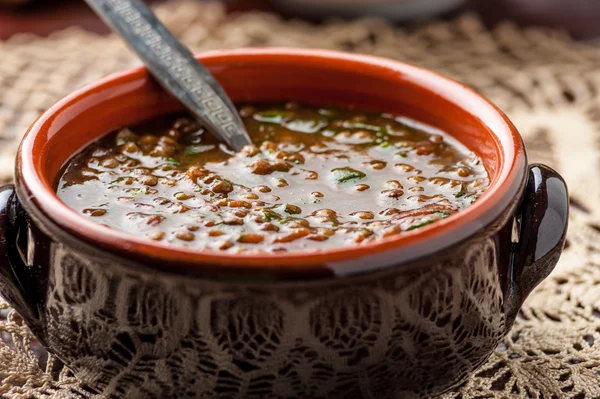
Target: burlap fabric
548,84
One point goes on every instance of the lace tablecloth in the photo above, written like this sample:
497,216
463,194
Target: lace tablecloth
548,85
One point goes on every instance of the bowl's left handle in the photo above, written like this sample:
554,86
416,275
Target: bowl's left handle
15,275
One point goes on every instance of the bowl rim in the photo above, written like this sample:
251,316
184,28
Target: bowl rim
502,193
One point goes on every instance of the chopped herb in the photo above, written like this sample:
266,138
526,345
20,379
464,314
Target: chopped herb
461,193
342,175
134,192
173,161
416,226
470,199
443,214
270,215
385,144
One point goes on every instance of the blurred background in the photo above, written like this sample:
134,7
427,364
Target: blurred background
549,86
578,17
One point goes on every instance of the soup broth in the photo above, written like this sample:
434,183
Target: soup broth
315,178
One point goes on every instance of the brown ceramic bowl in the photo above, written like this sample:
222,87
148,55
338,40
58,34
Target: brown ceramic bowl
404,317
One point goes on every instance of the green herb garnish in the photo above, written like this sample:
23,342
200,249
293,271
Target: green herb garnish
416,226
270,215
134,192
342,175
470,199
443,214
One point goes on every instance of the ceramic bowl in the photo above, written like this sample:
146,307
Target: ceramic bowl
404,317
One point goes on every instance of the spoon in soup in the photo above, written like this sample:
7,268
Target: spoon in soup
174,67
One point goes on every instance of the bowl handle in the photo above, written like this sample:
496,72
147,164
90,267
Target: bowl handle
16,278
538,234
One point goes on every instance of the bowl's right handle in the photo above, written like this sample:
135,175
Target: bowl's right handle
16,278
539,235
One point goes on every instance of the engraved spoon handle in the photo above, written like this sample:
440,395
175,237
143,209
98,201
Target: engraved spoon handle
174,67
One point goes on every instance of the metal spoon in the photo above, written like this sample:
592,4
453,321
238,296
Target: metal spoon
174,67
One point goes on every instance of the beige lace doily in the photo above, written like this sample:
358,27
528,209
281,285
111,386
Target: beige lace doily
548,84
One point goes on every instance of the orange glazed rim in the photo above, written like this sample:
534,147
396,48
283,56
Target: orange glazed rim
35,187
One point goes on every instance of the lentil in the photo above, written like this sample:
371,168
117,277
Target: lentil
314,179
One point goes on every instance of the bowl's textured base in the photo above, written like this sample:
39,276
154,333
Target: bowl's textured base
402,333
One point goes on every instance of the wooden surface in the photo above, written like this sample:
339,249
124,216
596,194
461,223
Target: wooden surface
580,17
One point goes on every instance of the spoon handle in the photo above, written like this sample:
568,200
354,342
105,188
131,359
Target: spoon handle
174,67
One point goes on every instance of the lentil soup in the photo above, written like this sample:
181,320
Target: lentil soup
315,178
